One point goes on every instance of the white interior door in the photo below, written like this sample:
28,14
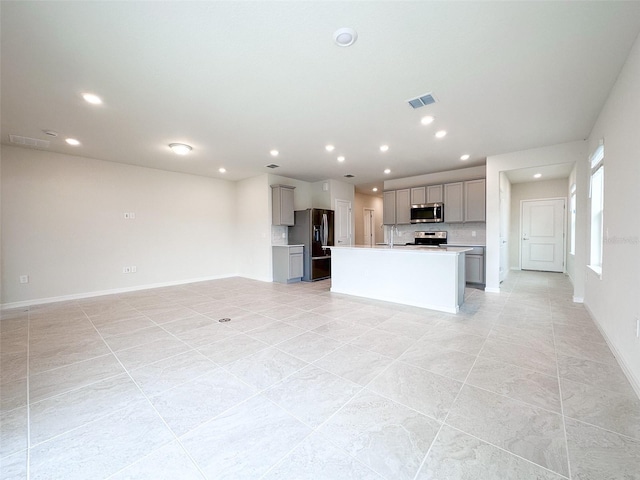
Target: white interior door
343,222
542,235
369,230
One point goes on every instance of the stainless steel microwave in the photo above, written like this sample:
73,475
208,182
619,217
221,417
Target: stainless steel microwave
427,213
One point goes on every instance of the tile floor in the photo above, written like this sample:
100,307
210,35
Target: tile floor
305,384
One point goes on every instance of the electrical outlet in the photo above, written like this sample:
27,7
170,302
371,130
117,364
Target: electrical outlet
126,269
473,233
24,278
637,327
132,215
134,269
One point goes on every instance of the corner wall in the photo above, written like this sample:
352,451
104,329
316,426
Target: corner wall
63,225
613,299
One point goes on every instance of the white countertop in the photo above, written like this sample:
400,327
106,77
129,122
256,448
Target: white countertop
467,245
407,248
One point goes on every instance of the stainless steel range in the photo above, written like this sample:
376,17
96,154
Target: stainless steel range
430,239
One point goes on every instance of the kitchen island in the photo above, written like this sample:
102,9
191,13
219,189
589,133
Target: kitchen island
424,277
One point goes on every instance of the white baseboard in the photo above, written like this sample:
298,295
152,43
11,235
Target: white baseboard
578,299
635,382
514,268
99,293
491,290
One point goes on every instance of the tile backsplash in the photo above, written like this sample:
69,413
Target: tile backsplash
457,232
277,237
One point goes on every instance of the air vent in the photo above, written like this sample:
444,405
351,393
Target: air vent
348,175
28,141
272,165
422,100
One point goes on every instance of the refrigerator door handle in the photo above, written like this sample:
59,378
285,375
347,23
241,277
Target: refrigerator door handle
325,229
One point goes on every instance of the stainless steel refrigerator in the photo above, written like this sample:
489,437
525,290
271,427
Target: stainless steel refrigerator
314,229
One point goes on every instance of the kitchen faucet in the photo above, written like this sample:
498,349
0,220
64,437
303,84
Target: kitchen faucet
393,229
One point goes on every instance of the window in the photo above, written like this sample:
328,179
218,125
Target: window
572,226
597,208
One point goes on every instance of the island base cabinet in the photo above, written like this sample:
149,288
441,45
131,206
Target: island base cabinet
288,263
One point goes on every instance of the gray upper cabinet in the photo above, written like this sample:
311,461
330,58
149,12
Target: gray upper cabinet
396,209
282,205
454,202
403,206
418,195
389,208
474,201
434,194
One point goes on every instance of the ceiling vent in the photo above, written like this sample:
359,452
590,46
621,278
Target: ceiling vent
29,142
348,175
272,165
422,100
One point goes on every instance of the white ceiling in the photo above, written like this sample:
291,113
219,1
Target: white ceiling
547,172
237,79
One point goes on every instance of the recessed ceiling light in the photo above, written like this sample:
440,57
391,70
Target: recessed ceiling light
384,148
92,98
72,141
222,170
341,158
180,148
345,37
465,157
375,189
274,153
441,133
387,171
537,175
329,148
427,120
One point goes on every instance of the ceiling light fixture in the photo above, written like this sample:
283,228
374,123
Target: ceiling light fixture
274,153
92,98
387,171
375,189
180,148
441,133
537,175
222,170
341,158
427,120
72,141
329,148
465,157
384,148
345,37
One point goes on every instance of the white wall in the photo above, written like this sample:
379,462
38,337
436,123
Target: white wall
253,220
571,152
613,299
556,188
505,225
63,225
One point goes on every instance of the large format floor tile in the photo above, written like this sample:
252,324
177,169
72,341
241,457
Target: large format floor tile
246,441
456,455
388,437
303,383
527,431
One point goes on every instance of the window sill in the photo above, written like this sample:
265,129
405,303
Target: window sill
596,269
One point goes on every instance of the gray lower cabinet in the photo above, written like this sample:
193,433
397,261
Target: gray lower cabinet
288,265
474,265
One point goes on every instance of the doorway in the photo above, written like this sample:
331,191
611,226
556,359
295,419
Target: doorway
542,233
369,230
343,222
